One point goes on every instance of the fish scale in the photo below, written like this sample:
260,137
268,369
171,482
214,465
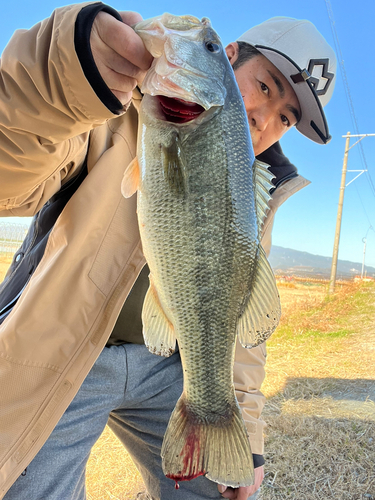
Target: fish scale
198,198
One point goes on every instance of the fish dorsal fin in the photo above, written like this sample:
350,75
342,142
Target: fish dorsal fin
262,312
130,181
158,331
263,185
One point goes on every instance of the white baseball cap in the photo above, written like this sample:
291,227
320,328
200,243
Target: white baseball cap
307,61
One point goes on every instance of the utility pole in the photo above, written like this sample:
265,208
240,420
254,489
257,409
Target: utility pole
332,281
341,202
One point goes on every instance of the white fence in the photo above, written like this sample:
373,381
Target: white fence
11,237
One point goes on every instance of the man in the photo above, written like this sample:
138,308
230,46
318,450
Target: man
71,352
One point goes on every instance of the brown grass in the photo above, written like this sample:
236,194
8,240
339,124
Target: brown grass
320,410
4,264
111,473
313,457
320,438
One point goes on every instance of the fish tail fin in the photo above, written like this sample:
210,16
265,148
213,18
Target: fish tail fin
194,447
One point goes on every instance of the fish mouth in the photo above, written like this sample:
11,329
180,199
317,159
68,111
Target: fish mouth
179,111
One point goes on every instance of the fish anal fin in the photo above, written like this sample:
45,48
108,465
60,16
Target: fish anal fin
158,331
262,312
130,181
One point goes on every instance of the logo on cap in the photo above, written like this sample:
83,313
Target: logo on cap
323,63
306,74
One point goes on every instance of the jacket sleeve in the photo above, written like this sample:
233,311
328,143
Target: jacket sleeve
249,374
47,109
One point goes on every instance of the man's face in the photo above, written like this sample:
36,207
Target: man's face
271,104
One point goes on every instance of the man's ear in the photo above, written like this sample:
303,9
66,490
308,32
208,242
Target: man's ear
232,52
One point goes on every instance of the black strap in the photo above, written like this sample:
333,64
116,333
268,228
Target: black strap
84,22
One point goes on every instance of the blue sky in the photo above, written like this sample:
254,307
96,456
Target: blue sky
306,221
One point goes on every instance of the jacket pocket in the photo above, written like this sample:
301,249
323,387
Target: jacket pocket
23,389
113,255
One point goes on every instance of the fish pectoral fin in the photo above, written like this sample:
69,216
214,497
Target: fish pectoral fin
174,165
158,331
262,312
130,181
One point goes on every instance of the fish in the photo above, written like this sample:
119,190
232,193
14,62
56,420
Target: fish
201,202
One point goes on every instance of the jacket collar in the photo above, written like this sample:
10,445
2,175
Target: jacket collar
279,165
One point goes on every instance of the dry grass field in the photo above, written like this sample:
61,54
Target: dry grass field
320,390
4,264
320,410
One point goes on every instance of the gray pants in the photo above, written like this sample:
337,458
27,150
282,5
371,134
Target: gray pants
135,392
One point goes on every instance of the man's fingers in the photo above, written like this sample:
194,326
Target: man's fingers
119,53
244,493
118,82
123,97
130,46
131,18
123,40
241,493
118,64
229,493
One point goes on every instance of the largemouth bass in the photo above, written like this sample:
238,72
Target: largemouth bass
200,208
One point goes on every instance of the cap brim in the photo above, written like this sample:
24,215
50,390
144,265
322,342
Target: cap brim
313,123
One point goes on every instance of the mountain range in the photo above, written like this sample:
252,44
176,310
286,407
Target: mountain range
289,262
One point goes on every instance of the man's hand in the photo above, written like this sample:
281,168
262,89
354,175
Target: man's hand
119,53
244,492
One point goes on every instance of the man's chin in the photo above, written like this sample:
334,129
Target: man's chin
256,145
260,148
257,149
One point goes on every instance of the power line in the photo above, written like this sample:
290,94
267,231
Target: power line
362,153
370,181
347,90
363,206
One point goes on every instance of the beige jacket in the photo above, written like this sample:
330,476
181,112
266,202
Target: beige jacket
50,119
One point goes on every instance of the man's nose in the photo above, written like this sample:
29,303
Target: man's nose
260,117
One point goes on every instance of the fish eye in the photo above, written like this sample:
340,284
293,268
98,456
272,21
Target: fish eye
212,47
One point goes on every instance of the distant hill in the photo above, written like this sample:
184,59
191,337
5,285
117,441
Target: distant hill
287,261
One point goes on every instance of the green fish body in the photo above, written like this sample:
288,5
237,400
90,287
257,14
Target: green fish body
201,204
